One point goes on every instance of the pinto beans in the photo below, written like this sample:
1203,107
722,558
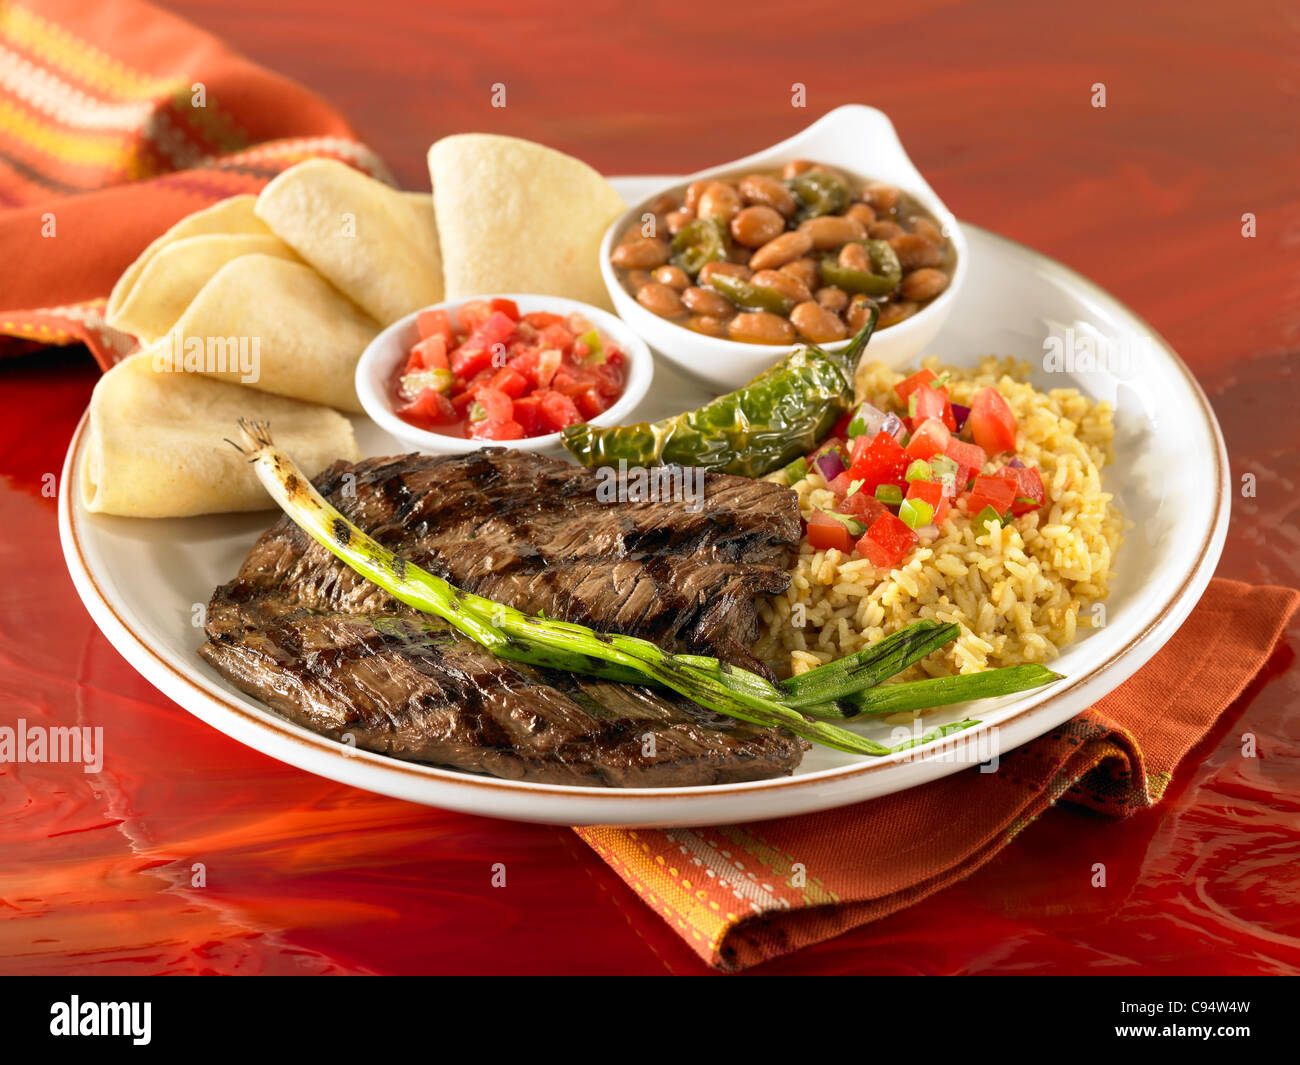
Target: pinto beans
816,324
644,253
661,300
830,231
923,285
705,301
781,250
760,327
765,191
754,226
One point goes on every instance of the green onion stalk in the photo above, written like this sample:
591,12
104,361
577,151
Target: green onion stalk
513,635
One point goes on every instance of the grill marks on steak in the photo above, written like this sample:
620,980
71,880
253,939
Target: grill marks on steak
532,532
329,650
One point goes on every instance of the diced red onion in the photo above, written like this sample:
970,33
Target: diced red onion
893,425
1016,464
959,415
830,465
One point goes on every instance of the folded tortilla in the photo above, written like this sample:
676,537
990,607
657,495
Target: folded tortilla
276,326
376,245
155,446
232,216
514,216
175,273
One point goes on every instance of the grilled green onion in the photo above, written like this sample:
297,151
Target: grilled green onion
944,691
869,666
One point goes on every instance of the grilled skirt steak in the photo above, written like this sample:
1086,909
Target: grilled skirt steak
332,651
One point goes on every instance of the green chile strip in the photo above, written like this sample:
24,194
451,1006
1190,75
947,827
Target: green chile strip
699,242
819,193
750,297
782,413
885,274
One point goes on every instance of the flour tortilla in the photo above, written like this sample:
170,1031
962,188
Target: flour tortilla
309,335
154,447
376,245
232,216
514,216
175,274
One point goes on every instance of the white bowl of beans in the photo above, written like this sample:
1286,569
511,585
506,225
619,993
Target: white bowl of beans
727,272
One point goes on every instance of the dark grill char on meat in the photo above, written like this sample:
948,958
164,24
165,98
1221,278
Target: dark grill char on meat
322,645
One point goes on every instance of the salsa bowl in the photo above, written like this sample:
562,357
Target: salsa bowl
382,357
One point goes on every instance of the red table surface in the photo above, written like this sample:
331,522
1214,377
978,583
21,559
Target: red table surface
1145,196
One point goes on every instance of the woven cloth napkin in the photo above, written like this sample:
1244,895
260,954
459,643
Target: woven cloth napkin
744,894
116,120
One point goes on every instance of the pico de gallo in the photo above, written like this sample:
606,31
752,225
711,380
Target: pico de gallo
491,373
898,476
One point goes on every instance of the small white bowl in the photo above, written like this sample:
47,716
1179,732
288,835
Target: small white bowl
854,138
383,354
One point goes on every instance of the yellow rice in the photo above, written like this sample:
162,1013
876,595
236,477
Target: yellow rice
1019,594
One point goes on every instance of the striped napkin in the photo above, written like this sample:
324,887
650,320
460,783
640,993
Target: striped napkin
744,894
116,120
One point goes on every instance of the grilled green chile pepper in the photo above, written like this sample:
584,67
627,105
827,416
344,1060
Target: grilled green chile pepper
702,241
885,273
781,413
819,193
750,297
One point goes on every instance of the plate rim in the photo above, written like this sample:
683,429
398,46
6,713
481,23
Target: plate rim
1160,628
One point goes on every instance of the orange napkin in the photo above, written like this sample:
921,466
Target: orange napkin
116,120
730,891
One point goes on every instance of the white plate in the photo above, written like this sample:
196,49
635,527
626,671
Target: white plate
144,580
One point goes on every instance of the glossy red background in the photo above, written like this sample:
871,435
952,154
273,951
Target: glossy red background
993,100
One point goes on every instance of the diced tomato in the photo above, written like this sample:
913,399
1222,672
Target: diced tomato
995,492
430,407
964,454
862,505
840,485
887,541
880,461
498,406
489,429
434,324
507,307
525,363
510,381
825,533
555,335
528,413
931,492
1028,486
906,388
992,423
590,403
548,363
462,403
929,439
479,348
541,319
429,354
473,313
557,410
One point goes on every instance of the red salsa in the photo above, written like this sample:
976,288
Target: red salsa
494,374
